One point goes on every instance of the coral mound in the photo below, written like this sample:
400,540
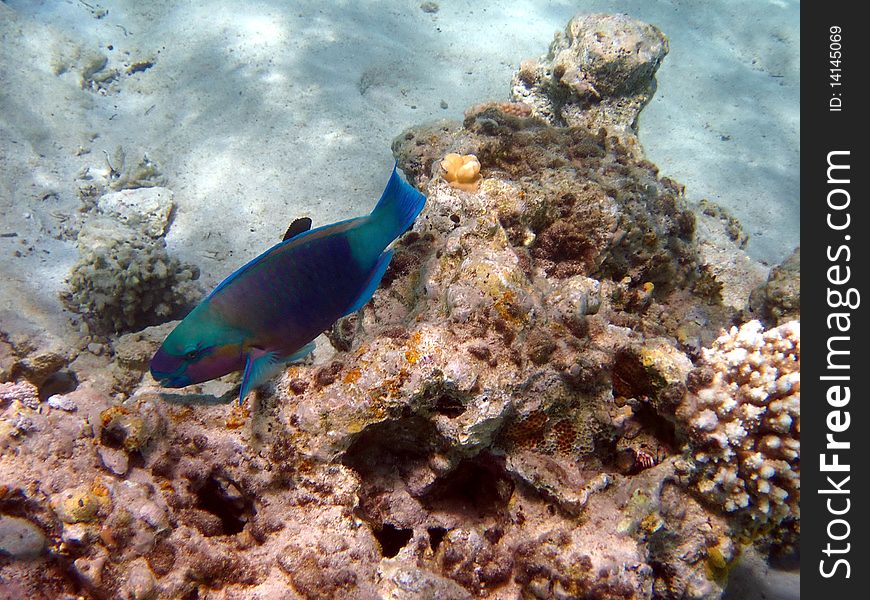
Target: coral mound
125,277
742,418
600,70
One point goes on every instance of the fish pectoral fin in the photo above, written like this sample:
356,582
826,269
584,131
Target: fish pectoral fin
301,353
373,282
260,365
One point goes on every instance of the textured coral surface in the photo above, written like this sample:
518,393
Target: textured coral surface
742,419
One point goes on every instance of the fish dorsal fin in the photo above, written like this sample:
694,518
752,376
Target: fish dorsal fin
322,231
300,225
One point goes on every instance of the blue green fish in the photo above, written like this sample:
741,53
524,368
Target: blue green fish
267,313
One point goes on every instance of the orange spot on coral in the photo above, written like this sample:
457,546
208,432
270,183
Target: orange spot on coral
412,356
109,415
98,489
180,414
352,376
238,416
508,308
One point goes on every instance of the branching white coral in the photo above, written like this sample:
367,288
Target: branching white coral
742,418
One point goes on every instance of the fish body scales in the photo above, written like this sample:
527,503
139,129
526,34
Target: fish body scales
295,293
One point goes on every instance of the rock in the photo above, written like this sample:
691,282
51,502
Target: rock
132,425
778,300
114,460
81,503
90,569
577,297
599,72
728,275
39,366
62,402
141,583
146,210
409,583
8,360
134,350
125,278
20,539
23,392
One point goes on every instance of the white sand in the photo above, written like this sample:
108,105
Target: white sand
258,112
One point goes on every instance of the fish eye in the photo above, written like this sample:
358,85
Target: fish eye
192,355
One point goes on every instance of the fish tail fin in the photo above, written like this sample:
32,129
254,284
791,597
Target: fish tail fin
396,210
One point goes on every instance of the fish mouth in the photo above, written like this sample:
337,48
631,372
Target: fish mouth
171,381
162,370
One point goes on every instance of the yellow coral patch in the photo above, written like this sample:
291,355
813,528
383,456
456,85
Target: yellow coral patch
461,171
237,417
412,355
352,376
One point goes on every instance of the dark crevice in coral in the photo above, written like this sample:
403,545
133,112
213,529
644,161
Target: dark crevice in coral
392,539
478,486
661,428
113,436
193,594
785,557
436,536
62,382
630,379
389,443
222,498
449,405
411,251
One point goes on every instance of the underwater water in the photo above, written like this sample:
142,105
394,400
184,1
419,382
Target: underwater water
540,359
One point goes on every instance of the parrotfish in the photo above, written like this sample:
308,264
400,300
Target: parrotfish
268,312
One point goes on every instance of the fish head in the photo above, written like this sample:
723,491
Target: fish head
189,355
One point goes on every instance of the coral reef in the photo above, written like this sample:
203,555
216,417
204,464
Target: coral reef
537,403
572,199
599,71
125,278
728,276
742,420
